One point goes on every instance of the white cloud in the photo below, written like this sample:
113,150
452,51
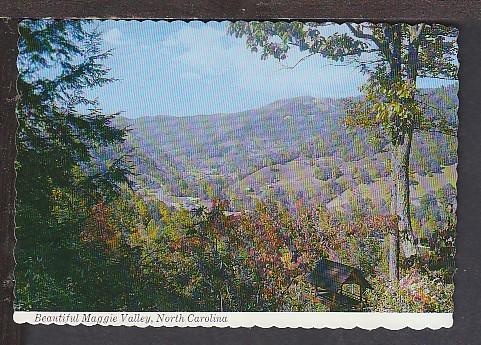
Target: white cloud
114,37
209,52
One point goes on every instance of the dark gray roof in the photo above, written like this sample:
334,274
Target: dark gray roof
330,275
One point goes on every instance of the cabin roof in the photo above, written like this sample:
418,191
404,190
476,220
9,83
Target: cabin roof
330,275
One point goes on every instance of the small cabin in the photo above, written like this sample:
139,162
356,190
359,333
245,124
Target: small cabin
339,286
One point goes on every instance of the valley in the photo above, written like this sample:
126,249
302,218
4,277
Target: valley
290,151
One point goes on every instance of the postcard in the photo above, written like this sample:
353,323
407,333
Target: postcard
236,174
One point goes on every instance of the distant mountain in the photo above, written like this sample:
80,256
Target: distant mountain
288,150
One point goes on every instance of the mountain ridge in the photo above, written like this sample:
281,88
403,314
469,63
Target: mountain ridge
270,105
208,156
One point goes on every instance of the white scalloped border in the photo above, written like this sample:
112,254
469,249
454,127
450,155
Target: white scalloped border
349,320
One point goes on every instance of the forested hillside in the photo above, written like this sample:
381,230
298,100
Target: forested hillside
289,151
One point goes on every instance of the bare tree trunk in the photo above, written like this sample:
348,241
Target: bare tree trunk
393,255
401,238
403,197
393,39
9,331
393,251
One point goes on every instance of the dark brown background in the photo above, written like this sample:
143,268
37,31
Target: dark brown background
464,14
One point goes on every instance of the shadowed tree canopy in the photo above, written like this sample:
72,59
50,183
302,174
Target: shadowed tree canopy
66,163
60,128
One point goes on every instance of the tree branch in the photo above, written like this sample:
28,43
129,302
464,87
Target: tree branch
360,34
298,62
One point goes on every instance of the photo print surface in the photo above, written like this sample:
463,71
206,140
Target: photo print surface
220,167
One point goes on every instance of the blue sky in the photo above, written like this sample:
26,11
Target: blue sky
182,69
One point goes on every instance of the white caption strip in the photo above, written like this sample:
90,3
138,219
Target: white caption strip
391,321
